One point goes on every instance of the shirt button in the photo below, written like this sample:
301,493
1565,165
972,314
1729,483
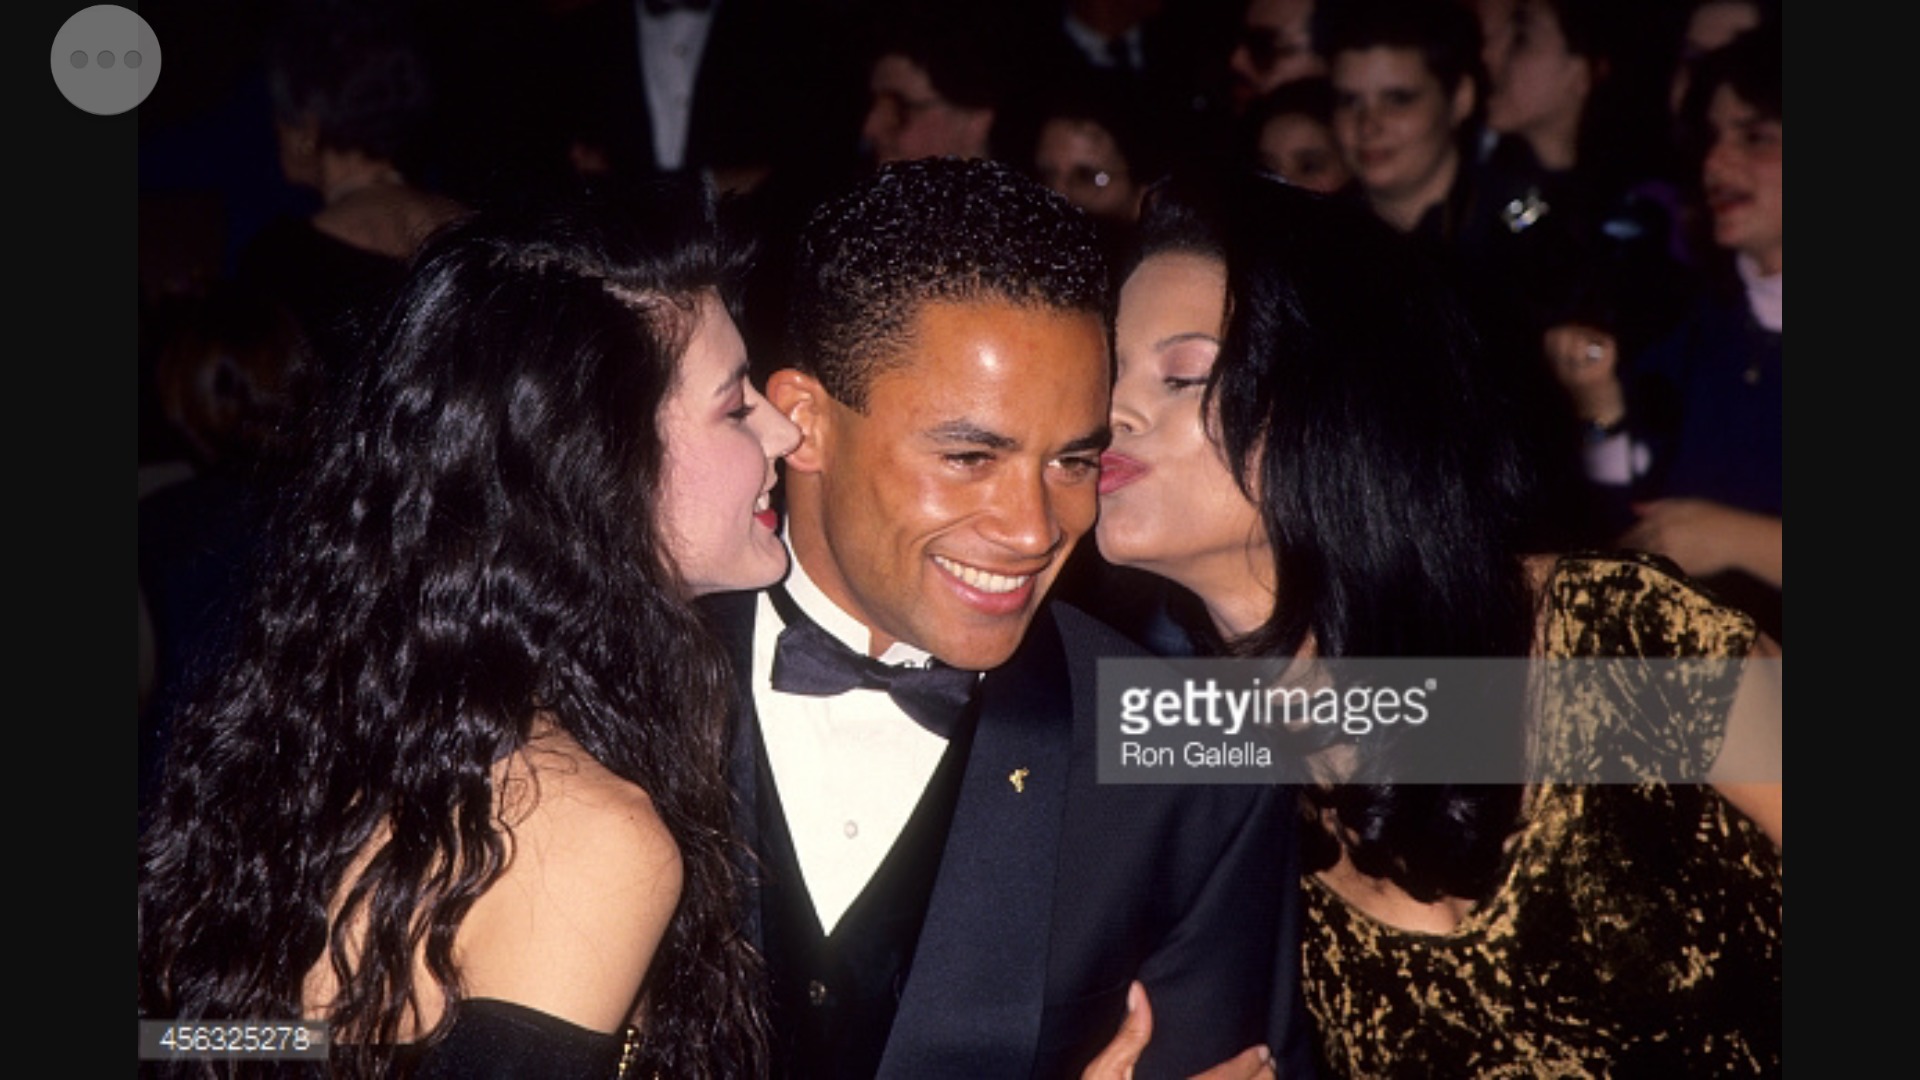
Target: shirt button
817,992
851,828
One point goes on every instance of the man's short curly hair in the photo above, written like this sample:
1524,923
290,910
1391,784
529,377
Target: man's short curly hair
934,229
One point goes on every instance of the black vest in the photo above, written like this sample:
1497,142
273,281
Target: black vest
834,996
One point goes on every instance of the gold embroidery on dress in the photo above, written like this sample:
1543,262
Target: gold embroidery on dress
629,1049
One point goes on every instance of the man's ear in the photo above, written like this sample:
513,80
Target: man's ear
801,399
1466,97
979,128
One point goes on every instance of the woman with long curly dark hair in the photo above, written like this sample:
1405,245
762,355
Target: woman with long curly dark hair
458,787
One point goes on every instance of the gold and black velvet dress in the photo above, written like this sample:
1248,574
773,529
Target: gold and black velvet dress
1636,931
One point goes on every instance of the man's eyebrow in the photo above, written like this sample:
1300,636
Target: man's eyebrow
966,431
1097,439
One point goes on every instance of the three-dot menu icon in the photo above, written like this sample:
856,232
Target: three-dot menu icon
105,59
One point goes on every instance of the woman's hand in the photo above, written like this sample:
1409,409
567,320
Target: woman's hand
1706,537
1586,361
1116,1062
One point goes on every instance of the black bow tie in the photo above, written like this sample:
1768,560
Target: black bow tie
808,660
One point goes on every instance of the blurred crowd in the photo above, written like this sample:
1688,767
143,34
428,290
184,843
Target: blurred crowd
1602,175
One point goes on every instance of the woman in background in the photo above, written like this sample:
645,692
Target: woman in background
1409,116
353,98
1687,435
1288,132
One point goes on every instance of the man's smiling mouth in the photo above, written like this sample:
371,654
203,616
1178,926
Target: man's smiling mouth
982,580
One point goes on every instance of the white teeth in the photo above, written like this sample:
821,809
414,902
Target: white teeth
980,579
764,502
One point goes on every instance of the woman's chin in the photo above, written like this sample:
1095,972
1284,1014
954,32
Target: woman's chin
1120,549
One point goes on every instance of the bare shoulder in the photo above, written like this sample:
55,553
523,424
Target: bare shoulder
591,883
1539,568
1749,768
554,795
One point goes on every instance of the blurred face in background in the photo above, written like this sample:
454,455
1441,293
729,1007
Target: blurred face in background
1081,159
1396,126
1275,46
1709,26
1539,88
299,147
1302,151
907,118
1742,178
1496,30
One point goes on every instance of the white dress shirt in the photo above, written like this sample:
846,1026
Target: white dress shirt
1765,292
1102,51
848,770
670,49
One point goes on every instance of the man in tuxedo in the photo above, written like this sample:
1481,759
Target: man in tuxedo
945,890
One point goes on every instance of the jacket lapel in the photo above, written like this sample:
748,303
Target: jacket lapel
972,1005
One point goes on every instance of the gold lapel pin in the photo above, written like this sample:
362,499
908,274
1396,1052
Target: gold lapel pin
1018,778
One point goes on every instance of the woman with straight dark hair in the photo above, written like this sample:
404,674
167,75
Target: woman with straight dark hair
458,788
1578,874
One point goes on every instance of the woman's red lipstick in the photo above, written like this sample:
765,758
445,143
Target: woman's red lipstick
1117,470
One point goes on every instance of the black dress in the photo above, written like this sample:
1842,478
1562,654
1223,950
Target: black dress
500,1040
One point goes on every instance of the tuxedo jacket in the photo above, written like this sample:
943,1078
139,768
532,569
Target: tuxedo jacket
1052,894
